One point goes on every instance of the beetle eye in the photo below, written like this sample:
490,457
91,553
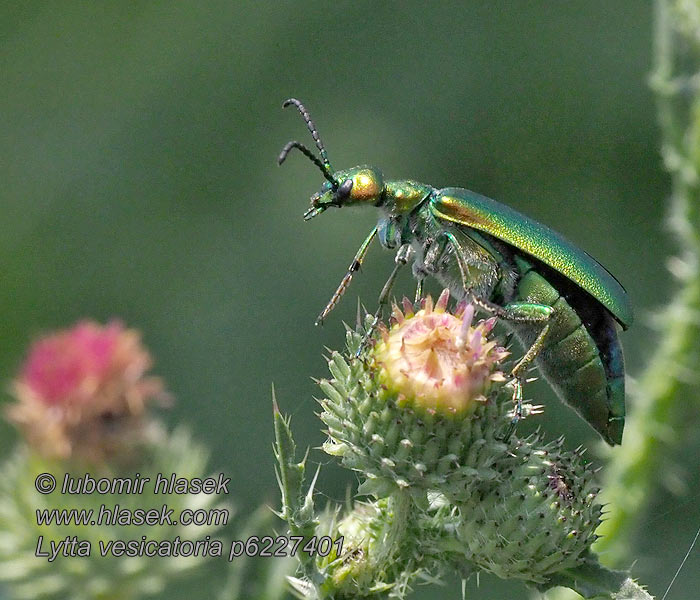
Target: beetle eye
344,190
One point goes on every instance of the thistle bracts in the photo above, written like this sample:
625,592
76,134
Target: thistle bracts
538,519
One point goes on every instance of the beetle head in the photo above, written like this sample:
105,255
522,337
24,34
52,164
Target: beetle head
357,186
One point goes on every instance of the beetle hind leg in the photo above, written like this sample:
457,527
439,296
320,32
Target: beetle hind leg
518,375
518,312
524,312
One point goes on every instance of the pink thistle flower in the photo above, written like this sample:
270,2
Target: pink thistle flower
438,360
83,391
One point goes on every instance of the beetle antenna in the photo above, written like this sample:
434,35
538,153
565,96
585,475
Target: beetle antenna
311,156
312,128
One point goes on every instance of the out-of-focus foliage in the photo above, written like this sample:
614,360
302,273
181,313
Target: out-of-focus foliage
138,179
667,393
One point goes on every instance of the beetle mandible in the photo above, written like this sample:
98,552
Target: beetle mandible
559,302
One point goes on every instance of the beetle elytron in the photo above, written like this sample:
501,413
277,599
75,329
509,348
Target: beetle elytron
560,303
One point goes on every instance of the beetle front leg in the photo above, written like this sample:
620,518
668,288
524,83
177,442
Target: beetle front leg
345,282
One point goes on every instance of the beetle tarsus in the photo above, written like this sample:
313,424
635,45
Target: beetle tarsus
517,408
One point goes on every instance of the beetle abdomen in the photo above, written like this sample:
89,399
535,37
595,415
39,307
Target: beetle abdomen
581,357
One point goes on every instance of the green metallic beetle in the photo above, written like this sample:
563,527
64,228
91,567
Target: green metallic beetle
560,303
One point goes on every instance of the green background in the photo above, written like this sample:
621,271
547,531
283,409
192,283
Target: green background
138,180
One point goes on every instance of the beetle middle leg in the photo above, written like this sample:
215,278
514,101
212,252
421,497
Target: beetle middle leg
433,251
419,290
402,257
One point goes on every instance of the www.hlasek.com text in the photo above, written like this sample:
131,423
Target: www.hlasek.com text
117,515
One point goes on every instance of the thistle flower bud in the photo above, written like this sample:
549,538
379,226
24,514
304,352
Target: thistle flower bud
409,413
538,520
437,361
352,570
82,392
380,557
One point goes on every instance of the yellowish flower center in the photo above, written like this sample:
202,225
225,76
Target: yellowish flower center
437,360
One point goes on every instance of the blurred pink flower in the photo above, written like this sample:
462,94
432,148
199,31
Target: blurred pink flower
69,365
83,391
